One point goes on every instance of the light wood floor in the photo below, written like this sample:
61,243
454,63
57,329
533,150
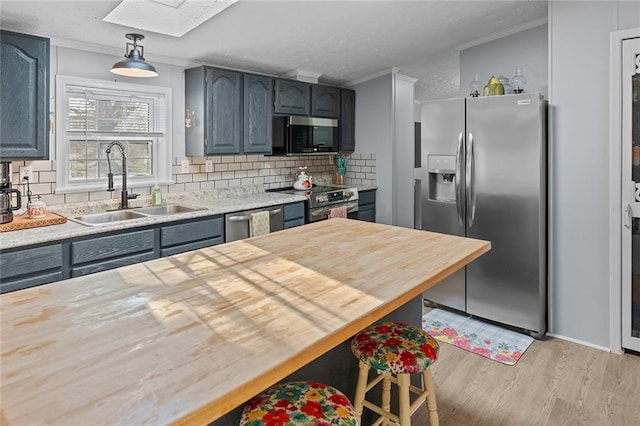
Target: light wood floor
554,383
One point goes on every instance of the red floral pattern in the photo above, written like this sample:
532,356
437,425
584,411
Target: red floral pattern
395,347
299,403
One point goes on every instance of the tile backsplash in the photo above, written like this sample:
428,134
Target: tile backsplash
228,171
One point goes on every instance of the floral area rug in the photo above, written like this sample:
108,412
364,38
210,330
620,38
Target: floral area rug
487,340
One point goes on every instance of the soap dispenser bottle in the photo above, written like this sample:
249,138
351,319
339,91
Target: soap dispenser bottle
156,196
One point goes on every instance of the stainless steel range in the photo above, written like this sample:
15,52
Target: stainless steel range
321,199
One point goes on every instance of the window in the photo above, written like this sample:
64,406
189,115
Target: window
92,114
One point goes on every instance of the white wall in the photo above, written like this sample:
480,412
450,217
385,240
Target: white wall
80,63
385,128
579,175
527,49
374,134
404,150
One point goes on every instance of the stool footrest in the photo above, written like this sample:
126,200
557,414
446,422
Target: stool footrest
377,380
380,411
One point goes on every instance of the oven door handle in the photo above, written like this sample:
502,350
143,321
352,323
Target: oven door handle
351,207
248,217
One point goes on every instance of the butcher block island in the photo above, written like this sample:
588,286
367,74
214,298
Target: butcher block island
186,339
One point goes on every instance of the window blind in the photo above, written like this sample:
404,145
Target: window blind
104,111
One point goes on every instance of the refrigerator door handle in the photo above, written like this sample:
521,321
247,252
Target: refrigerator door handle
471,195
458,186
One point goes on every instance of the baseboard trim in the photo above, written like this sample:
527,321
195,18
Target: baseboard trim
580,342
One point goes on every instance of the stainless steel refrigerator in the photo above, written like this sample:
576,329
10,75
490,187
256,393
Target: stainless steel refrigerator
484,175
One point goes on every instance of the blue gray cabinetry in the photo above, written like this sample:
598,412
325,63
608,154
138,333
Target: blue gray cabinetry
24,104
325,101
230,112
347,121
30,267
96,254
292,97
212,98
366,206
222,112
191,235
257,108
294,214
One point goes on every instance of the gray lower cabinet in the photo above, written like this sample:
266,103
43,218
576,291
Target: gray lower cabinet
112,251
191,235
23,268
294,214
366,206
24,104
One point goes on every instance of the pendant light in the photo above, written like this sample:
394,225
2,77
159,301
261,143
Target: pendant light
134,65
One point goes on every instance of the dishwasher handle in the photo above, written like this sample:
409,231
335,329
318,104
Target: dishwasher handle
247,217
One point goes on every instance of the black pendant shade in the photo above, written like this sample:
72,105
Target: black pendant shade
134,65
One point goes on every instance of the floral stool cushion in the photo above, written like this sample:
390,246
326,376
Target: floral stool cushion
299,403
395,347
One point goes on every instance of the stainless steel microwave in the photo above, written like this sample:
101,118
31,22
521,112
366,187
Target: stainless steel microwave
297,134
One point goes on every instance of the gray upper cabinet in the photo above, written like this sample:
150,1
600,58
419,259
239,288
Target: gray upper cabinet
213,97
231,112
257,114
24,104
347,121
325,101
292,97
223,111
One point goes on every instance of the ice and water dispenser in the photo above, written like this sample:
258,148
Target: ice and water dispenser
442,175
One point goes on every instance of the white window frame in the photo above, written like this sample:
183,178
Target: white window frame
162,146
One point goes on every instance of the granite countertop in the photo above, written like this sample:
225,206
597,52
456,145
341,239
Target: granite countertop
212,203
187,338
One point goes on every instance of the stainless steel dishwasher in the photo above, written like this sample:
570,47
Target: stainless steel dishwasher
236,224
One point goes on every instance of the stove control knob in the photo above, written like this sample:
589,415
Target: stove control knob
348,194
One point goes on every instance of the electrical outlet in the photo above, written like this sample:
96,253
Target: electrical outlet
185,166
208,165
26,171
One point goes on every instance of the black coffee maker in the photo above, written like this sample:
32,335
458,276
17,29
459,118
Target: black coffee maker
6,203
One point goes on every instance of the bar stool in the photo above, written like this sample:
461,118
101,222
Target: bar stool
299,403
396,351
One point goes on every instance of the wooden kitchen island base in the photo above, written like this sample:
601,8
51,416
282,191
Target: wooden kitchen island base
188,338
339,367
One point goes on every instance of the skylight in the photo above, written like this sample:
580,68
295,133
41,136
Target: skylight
169,17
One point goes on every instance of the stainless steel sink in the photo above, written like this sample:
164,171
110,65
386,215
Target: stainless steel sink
107,217
122,215
167,210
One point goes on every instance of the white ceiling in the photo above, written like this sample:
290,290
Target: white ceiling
344,41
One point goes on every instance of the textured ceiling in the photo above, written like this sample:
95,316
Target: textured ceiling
342,40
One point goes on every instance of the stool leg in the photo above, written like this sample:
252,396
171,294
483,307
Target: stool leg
386,395
403,396
431,397
361,390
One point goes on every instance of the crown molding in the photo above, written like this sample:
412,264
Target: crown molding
500,34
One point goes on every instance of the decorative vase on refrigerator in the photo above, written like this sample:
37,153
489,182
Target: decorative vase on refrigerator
484,174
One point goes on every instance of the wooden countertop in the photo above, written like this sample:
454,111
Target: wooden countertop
185,339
